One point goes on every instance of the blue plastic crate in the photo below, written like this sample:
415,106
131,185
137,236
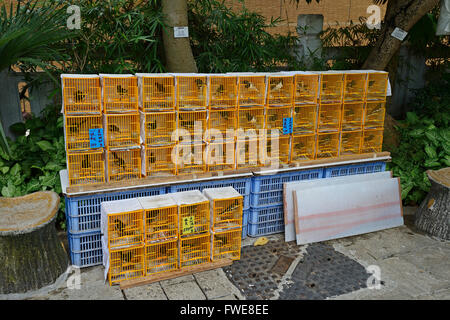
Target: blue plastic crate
244,231
245,216
261,229
267,214
243,186
85,249
264,199
352,169
83,213
266,183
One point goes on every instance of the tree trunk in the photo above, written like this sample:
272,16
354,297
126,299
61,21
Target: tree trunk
31,255
178,52
402,14
433,215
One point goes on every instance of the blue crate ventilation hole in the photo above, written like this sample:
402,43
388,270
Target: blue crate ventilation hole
267,214
85,249
264,221
353,169
264,199
262,229
83,213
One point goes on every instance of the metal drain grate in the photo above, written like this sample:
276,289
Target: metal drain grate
252,273
321,273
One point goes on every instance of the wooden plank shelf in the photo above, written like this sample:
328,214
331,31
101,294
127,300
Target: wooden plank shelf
126,284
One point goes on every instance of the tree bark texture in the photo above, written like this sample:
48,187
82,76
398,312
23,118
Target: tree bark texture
178,52
31,261
402,14
31,255
433,215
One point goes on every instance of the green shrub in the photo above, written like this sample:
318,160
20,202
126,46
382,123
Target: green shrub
38,154
224,40
424,141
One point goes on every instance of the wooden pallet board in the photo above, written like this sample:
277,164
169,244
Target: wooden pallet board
126,284
156,181
192,178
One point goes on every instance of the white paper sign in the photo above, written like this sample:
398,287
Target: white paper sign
399,34
180,32
388,90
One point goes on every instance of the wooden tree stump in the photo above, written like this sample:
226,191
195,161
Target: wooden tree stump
31,255
432,216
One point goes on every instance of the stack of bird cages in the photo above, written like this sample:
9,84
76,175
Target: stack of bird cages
122,127
329,114
352,116
280,101
158,123
374,111
304,116
161,233
226,216
83,129
194,228
123,239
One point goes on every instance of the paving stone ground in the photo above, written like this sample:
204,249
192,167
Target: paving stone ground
412,266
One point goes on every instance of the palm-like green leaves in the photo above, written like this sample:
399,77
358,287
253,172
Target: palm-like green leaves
29,32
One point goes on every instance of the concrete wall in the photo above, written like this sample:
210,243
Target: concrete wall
333,11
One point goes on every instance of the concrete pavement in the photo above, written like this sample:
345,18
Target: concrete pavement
411,265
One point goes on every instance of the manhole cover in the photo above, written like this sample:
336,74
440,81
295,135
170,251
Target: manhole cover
322,272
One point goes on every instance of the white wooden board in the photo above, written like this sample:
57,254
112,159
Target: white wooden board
289,230
342,210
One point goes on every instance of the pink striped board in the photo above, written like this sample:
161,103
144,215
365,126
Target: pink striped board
342,210
289,226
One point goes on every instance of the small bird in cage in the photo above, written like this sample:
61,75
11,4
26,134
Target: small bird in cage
85,163
152,157
349,112
250,86
159,87
273,117
299,146
275,87
251,118
220,90
79,96
152,125
200,84
121,91
351,84
224,115
122,228
375,110
118,161
302,86
113,128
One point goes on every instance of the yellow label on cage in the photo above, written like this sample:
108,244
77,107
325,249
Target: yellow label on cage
188,225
